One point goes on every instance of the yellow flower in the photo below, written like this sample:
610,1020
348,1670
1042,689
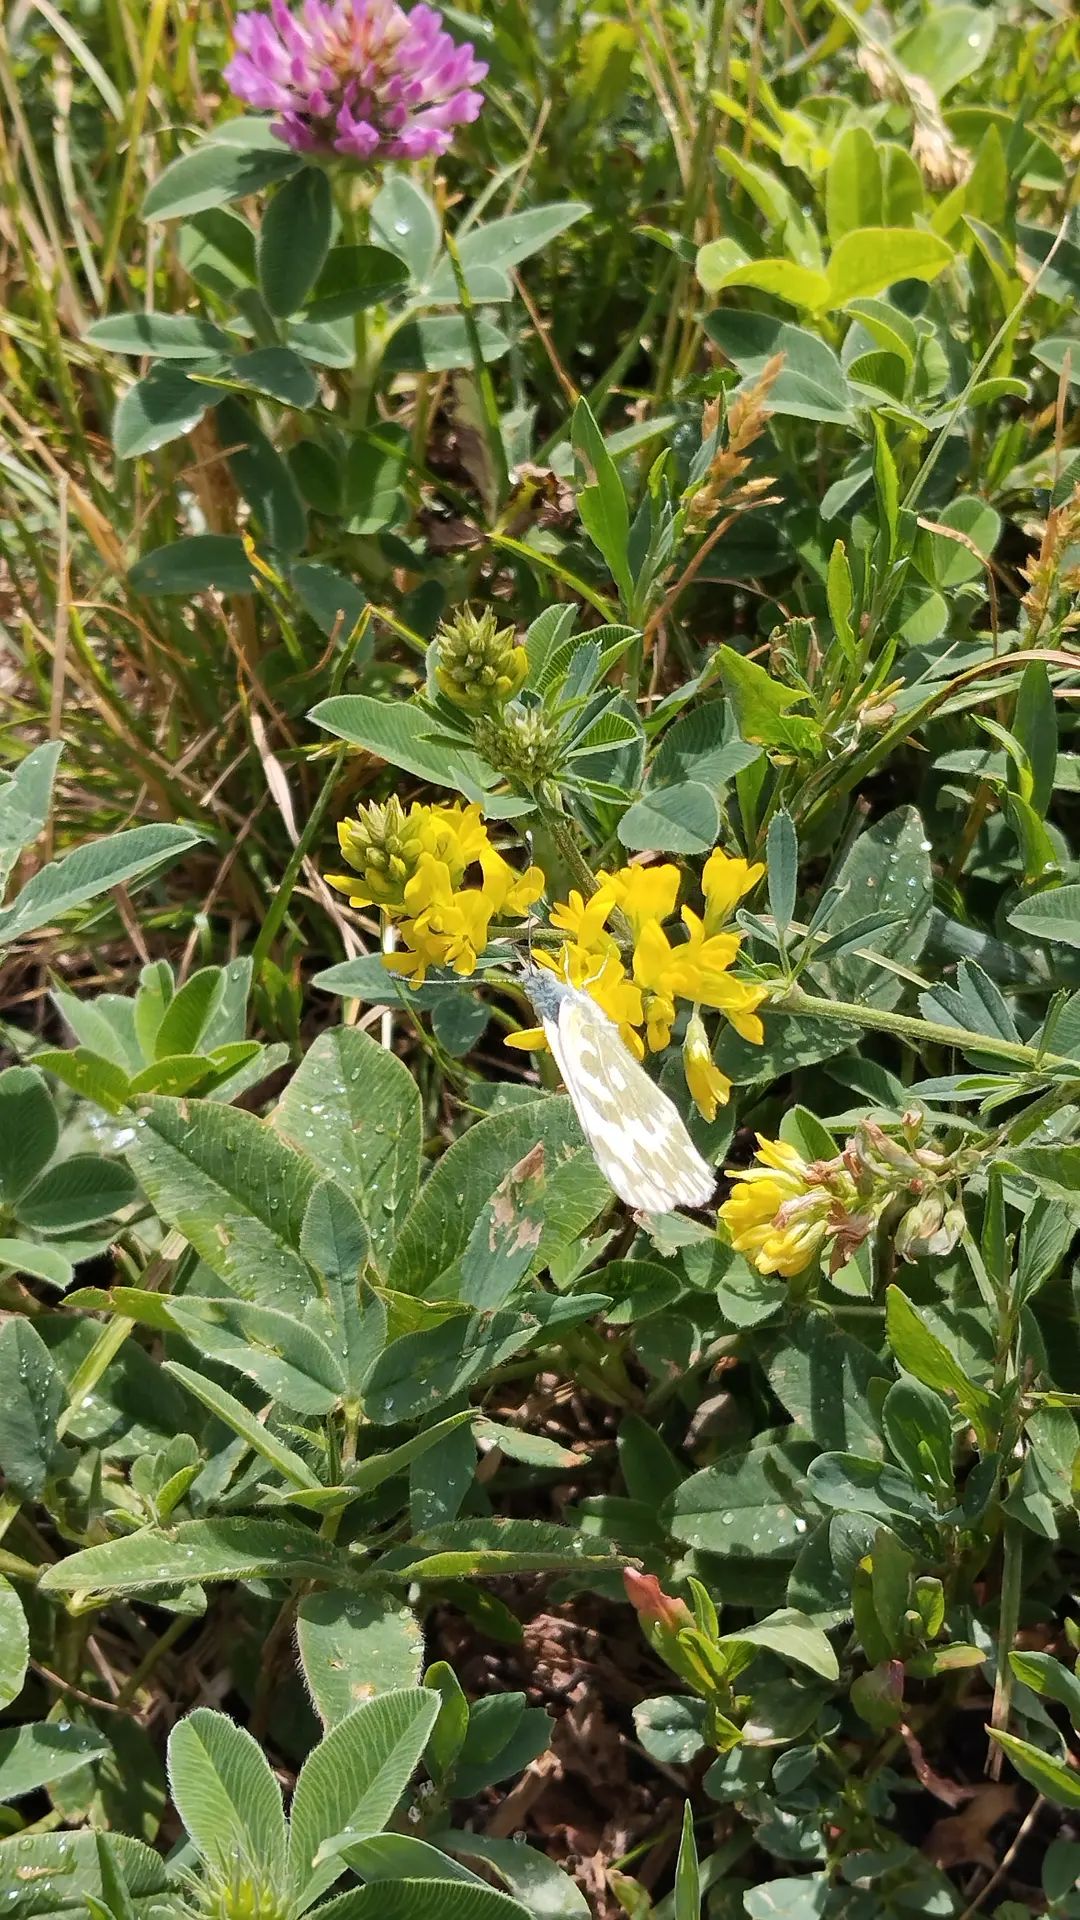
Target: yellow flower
604,980
723,883
505,890
385,845
709,1088
586,920
643,893
777,1215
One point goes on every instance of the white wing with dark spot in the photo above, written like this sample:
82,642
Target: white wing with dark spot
636,1133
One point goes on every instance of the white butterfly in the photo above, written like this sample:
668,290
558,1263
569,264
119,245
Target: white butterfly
636,1133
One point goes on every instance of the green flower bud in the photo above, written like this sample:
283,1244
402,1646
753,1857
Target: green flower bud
384,844
521,742
480,666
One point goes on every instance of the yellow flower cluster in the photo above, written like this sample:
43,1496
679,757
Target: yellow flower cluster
662,972
782,1211
414,864
778,1214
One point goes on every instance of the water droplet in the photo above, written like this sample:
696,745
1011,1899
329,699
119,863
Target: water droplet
800,1526
402,226
727,1519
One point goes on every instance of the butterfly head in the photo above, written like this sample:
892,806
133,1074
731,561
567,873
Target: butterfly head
545,990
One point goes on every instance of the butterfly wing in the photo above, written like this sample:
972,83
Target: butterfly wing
636,1133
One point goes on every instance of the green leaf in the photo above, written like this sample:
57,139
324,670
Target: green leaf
354,1645
451,1725
333,602
1054,1779
504,243
294,239
162,407
25,799
193,564
719,267
747,1506
920,1352
794,1637
31,1402
1046,1676
436,1233
227,1797
951,563
826,1380
601,502
51,1873
1051,915
676,819
888,870
409,1899
353,279
354,1780
481,1549
86,1073
401,734
788,1899
694,749
671,1728
687,1871
503,1737
866,262
189,1013
167,336
811,383
89,871
198,1550
503,1242
213,174
439,343
782,857
354,1109
918,1428
762,706
404,220
233,1188
279,372
263,477
14,1644
32,1756
235,1415
399,1856
76,1193
853,186
365,1475
44,1263
29,1130
285,1357
947,45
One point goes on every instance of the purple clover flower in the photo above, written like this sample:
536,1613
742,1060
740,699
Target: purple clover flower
356,77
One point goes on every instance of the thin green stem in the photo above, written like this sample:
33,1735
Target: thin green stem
279,905
150,1659
921,1033
1012,1582
558,826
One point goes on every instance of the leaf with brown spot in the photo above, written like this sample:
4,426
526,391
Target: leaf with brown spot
504,1240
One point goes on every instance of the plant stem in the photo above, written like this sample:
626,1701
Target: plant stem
279,905
557,825
150,1659
1012,1580
906,1026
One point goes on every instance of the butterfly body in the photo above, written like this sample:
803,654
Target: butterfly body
636,1133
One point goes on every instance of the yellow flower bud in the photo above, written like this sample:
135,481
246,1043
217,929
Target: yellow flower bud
709,1088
